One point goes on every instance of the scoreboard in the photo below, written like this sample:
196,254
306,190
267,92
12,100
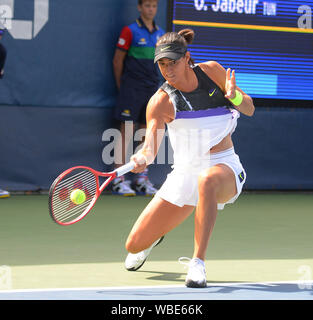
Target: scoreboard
268,43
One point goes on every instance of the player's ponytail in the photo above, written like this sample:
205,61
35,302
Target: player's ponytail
188,35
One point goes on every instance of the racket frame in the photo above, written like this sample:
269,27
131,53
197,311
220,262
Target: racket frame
109,175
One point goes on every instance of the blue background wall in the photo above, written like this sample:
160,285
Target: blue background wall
69,63
58,93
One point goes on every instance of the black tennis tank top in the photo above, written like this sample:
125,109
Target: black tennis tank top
206,96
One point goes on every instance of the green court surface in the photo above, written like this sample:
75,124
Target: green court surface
260,238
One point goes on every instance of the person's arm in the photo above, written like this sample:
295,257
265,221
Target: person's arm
122,47
118,65
157,115
227,82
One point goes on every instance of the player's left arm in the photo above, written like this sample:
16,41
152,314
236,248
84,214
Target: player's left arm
226,79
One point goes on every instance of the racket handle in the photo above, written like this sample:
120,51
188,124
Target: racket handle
124,169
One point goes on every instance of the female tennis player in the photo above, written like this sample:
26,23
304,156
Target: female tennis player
200,105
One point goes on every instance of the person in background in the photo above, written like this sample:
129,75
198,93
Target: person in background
3,54
137,79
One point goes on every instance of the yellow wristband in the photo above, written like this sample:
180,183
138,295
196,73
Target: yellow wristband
238,98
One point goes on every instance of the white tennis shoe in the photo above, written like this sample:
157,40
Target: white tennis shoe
143,186
4,193
134,261
122,187
196,276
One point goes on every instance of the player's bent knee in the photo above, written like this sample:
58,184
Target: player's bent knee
208,183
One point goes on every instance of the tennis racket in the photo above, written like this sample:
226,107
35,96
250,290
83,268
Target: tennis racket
62,210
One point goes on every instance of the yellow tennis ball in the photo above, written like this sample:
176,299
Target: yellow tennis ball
78,196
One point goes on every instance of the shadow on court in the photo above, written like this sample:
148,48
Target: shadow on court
243,291
270,289
173,277
219,292
230,291
162,276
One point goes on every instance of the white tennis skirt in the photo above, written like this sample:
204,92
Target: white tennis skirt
181,185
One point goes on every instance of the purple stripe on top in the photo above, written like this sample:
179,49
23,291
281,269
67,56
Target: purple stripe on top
202,113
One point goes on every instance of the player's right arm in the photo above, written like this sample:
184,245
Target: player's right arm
122,47
159,112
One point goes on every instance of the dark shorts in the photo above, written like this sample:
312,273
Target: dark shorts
3,54
132,101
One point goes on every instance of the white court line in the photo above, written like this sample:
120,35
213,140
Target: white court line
222,284
90,288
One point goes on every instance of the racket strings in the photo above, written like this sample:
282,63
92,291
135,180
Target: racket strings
64,210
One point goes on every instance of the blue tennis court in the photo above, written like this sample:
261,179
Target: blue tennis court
214,291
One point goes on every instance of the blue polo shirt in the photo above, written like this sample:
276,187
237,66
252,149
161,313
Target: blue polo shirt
140,43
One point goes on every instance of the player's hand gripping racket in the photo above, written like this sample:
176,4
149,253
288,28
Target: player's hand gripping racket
62,208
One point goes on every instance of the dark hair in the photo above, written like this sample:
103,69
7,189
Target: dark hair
140,2
183,37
